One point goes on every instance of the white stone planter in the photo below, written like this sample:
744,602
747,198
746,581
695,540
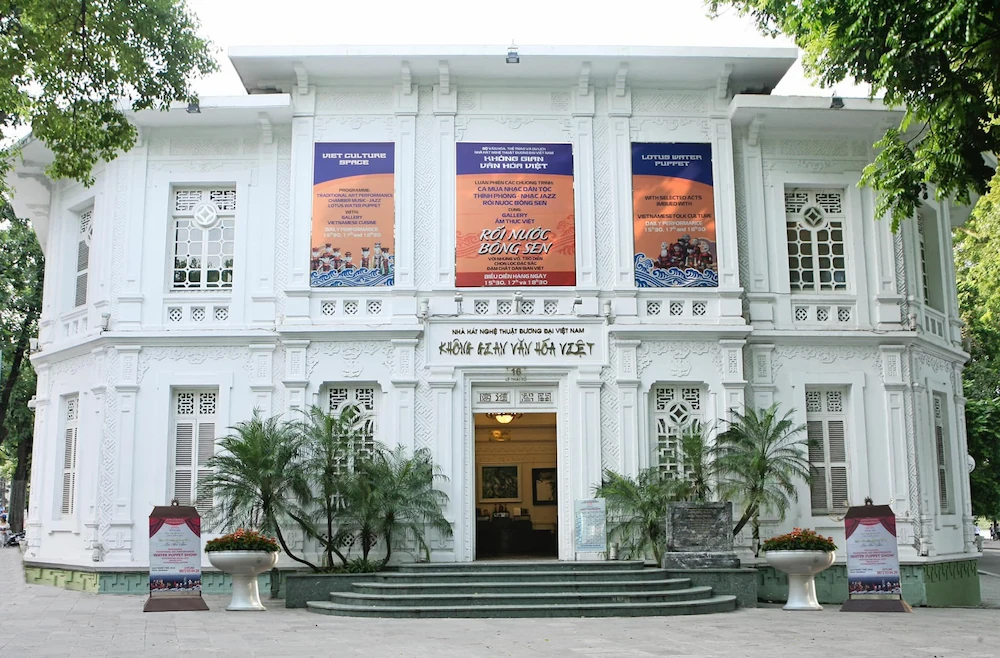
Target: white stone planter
244,566
801,567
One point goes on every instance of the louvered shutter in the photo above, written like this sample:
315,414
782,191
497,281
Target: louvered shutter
183,468
206,448
838,464
942,471
69,471
817,464
82,265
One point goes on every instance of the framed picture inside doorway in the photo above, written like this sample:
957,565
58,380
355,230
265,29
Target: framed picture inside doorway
543,486
500,483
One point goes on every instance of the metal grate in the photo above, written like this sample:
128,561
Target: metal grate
816,249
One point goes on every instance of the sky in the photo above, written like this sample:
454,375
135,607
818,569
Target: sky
230,23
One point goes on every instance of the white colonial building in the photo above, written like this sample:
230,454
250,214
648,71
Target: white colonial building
197,280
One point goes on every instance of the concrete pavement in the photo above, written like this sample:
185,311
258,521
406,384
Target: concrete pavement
45,621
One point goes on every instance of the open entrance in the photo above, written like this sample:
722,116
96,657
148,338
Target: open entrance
517,515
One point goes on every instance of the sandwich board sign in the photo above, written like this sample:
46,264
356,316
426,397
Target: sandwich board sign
174,559
873,579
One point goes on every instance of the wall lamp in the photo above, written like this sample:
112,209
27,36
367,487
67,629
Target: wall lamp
458,303
512,56
193,107
836,103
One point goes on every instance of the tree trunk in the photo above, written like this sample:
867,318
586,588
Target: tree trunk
288,551
756,535
388,544
19,488
329,535
748,513
15,369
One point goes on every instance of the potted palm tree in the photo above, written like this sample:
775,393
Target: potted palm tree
759,460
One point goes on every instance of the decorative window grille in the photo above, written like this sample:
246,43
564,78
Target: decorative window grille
204,222
816,250
69,455
195,420
941,451
83,256
826,422
676,409
362,401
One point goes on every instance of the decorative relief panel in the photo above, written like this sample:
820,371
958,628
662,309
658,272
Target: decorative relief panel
844,148
471,101
365,127
604,218
207,147
426,188
282,225
360,102
663,128
651,101
610,457
805,355
231,354
678,361
492,128
351,353
423,405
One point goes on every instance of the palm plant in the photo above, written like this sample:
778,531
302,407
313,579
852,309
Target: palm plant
637,510
696,456
330,442
257,479
392,494
759,459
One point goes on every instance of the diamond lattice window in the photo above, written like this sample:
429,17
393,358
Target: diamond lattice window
204,234
676,409
816,250
363,401
826,423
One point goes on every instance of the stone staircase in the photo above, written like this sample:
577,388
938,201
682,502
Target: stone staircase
524,589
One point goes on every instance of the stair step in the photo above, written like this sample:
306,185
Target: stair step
507,599
458,575
487,587
652,609
521,566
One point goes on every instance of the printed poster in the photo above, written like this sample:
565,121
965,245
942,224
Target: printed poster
354,215
514,215
872,558
175,555
590,525
673,215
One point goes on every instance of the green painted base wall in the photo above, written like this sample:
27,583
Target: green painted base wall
942,584
133,582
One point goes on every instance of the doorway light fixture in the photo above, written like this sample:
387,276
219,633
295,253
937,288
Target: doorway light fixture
504,417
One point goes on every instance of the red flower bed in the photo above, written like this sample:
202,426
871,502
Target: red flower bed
243,540
800,540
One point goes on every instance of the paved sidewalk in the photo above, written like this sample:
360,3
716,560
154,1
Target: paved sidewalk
45,621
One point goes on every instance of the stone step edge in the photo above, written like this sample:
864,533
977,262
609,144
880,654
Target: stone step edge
717,599
496,574
547,583
707,591
568,565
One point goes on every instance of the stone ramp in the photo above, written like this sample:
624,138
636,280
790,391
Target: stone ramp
520,589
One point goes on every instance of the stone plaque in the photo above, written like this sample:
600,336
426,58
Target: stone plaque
700,527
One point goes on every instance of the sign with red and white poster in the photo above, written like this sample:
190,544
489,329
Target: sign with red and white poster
872,557
174,559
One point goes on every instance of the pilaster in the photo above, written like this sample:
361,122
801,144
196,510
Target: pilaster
620,152
296,379
404,388
263,229
117,536
583,159
261,381
445,109
629,423
43,443
300,210
131,169
725,211
764,388
449,446
405,109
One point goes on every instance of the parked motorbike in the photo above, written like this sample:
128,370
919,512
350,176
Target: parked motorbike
14,539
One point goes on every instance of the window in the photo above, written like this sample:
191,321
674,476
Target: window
675,409
83,256
363,400
194,444
930,261
204,224
941,451
826,420
815,223
69,455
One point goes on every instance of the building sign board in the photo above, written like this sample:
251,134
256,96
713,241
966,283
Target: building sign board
514,343
515,218
590,525
673,215
174,559
353,215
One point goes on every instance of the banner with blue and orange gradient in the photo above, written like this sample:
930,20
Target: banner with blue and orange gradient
515,219
353,215
673,216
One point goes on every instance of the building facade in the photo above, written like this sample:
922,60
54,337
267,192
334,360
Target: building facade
201,277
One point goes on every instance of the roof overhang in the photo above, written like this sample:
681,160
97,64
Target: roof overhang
651,67
790,113
219,111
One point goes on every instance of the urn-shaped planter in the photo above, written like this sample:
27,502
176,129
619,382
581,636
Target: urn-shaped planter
801,567
244,567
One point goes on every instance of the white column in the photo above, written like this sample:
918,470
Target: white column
445,108
43,442
585,444
296,376
90,493
763,376
300,202
404,387
619,111
725,216
261,382
583,159
450,451
262,219
405,131
116,537
733,384
131,170
629,419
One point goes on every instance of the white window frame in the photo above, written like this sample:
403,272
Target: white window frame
675,407
942,453
68,457
205,208
82,277
827,416
200,448
813,213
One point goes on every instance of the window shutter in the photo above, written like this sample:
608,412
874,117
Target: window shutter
827,437
206,448
942,471
817,464
82,265
817,487
69,471
183,451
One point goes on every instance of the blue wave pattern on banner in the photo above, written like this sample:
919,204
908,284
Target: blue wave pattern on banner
357,278
647,276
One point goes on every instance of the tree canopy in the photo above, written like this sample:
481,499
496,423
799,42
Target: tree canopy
71,68
940,60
